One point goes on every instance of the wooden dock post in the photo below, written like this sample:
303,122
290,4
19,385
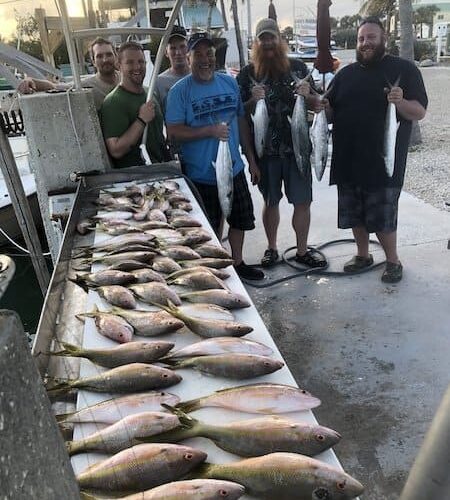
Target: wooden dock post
22,211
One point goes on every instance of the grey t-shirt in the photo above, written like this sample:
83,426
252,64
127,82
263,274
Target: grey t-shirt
100,89
165,81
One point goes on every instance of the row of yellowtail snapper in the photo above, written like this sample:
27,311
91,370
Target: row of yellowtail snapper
157,254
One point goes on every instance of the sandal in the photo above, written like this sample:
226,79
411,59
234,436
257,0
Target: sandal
270,258
310,259
393,273
358,263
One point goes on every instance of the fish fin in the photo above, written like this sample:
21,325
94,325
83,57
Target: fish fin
289,119
398,125
213,164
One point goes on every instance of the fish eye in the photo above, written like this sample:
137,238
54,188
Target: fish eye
165,375
188,456
223,493
304,392
320,437
341,485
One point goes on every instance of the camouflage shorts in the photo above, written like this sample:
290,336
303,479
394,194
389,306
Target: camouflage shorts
374,209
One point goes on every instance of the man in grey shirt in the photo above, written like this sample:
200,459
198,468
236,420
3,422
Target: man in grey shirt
105,79
176,52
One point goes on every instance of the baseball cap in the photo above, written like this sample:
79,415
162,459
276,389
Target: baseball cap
178,31
197,38
267,26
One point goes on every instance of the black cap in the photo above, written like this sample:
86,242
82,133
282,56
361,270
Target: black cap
178,31
199,37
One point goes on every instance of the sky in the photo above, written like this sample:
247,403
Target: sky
285,10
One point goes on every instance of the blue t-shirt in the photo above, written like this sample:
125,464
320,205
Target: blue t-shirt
198,104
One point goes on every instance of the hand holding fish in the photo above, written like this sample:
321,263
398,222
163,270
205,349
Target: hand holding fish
26,86
303,88
258,92
220,131
147,112
395,95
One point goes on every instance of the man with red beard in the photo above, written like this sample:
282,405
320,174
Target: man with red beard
276,76
358,100
125,113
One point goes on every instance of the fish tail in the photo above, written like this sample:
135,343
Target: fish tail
60,389
74,447
69,350
91,314
63,418
78,280
203,471
188,406
187,422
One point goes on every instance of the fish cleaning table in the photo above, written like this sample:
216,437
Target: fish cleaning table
194,384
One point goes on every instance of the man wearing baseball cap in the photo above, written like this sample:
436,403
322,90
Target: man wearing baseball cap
176,52
204,108
272,76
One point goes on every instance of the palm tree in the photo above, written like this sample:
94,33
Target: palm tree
380,8
405,13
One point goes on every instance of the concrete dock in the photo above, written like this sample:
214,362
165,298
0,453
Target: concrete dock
377,355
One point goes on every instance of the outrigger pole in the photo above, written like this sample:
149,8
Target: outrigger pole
159,57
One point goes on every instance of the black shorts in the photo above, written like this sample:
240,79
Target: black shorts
241,216
276,171
374,209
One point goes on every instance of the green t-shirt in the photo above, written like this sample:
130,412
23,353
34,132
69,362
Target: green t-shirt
119,110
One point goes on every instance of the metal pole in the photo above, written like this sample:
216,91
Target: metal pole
249,20
429,477
69,42
23,211
157,65
147,12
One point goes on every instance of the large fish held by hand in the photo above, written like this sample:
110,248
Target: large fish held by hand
319,140
390,136
224,177
300,135
260,125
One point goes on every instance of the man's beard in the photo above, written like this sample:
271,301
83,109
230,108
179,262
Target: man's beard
272,67
378,54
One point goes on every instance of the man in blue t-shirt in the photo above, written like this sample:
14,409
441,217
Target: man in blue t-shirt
202,109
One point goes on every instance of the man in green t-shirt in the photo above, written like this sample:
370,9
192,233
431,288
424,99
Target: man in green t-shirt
125,113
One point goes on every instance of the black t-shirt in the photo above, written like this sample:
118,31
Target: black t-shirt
359,107
280,101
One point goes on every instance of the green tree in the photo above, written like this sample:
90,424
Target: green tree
385,9
425,15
